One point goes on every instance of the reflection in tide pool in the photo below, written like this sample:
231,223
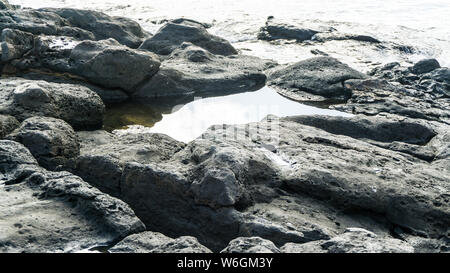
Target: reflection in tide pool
189,121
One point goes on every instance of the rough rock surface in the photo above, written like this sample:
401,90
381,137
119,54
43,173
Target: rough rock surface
425,66
79,24
310,30
45,211
274,30
51,141
396,90
112,65
77,105
307,179
103,155
314,79
4,4
155,242
14,44
174,33
7,125
250,245
193,70
354,240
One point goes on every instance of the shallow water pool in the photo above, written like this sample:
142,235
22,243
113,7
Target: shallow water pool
185,122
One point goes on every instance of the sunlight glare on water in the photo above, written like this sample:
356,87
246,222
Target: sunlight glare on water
191,120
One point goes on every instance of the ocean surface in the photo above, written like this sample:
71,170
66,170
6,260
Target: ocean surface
422,25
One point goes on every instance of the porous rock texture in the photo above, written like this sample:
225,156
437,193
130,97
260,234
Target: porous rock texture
45,211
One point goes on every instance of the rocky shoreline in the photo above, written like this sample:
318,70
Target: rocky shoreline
378,181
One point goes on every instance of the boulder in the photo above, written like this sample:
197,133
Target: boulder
4,4
109,64
7,125
250,245
317,79
103,155
77,105
373,96
76,23
40,22
296,179
354,240
14,44
155,242
337,36
274,30
124,30
171,35
425,66
45,211
195,71
51,141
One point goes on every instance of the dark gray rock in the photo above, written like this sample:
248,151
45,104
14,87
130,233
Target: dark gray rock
354,240
307,187
336,36
14,44
425,66
102,26
7,125
398,134
317,79
103,156
45,211
77,105
193,70
373,96
112,65
250,245
274,30
174,33
40,22
154,242
4,4
51,141
108,96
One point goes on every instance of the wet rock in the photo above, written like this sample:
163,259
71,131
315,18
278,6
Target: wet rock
14,44
45,211
7,125
250,245
154,242
77,105
317,78
354,240
274,30
336,36
174,33
102,26
112,65
51,141
425,66
193,70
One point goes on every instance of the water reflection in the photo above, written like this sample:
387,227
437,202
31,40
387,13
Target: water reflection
188,120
